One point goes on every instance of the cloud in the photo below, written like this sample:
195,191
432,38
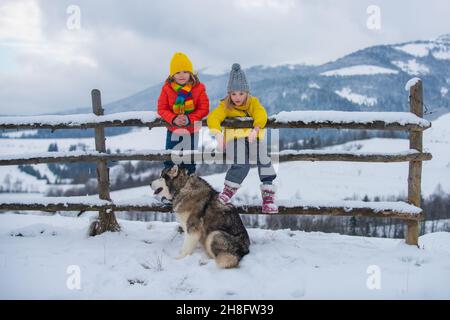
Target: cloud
21,28
20,21
124,47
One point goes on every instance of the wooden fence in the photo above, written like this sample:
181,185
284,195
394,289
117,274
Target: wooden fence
106,207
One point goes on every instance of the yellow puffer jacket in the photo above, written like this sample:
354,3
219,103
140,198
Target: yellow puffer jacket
252,108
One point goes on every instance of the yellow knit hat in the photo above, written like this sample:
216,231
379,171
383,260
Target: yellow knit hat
180,62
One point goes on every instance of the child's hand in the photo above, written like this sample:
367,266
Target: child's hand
180,120
253,134
220,141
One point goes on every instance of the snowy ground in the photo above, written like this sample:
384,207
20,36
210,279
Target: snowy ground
312,265
139,263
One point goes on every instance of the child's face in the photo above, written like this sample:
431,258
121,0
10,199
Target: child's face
182,77
238,97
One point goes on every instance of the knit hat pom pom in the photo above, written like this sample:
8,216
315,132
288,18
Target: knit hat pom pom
237,80
236,67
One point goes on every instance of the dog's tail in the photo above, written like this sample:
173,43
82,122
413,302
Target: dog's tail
227,260
225,248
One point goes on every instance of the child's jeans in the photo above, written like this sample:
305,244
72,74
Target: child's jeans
172,139
243,154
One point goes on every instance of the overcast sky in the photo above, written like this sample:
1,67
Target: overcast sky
48,64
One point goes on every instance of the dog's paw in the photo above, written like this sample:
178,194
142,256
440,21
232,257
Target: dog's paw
181,256
203,261
184,254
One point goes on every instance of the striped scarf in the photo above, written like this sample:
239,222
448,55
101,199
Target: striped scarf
184,103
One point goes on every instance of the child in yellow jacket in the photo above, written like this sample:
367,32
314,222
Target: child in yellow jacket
244,144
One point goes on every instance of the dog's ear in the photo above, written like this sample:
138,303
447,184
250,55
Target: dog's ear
173,172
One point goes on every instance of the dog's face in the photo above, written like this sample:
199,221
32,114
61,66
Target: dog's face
169,182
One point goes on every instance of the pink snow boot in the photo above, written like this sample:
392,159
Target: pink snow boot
268,196
229,189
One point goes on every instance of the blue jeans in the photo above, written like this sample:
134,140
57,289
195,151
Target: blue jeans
242,162
172,139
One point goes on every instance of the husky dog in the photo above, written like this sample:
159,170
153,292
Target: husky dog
203,217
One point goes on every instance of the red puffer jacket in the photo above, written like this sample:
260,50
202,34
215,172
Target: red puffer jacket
167,99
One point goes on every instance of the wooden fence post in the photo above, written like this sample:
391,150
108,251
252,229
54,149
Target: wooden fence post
107,220
415,167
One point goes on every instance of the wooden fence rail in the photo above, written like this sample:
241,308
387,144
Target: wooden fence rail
408,121
346,209
218,158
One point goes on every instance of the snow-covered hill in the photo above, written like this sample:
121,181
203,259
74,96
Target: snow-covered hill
18,180
39,255
335,180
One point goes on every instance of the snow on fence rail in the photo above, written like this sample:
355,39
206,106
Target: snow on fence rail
411,121
284,119
398,209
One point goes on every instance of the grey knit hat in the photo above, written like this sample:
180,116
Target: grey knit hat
237,80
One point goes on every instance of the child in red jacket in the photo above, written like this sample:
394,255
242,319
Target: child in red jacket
183,101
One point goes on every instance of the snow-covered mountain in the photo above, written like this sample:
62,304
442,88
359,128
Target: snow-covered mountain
370,79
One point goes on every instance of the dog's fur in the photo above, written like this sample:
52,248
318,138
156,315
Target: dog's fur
203,217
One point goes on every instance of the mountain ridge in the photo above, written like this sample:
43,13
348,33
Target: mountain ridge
309,87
